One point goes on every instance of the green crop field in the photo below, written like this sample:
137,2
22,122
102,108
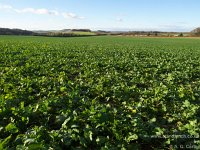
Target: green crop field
99,93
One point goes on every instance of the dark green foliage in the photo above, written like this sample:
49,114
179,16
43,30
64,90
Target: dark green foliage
98,93
180,35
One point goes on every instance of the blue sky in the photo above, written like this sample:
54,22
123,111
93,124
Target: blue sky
164,15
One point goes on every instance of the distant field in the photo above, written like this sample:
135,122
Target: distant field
83,33
105,92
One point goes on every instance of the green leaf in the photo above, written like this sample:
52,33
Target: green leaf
65,122
36,146
4,143
90,135
132,137
152,120
11,128
186,103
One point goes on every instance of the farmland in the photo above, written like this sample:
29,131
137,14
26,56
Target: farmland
99,93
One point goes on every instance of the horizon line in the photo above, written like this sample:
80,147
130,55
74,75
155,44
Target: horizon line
105,29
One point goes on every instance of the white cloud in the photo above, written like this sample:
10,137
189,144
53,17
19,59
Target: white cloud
6,7
41,11
54,12
71,15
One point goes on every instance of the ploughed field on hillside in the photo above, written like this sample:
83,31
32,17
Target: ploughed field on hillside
99,93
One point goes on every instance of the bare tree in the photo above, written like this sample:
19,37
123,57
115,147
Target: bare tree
196,31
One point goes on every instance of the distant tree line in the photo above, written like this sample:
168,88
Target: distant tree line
196,32
62,34
69,33
7,31
81,30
